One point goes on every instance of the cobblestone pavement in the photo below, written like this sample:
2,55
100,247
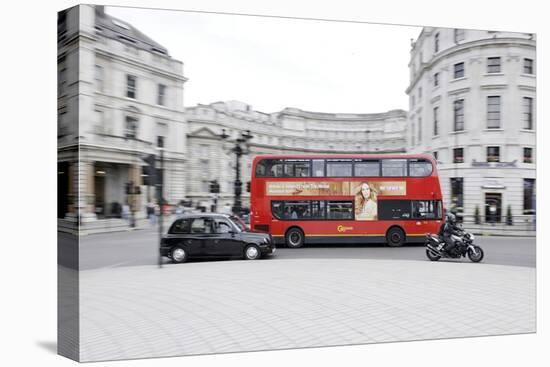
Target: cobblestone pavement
235,306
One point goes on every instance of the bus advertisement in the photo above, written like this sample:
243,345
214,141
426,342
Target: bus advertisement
339,199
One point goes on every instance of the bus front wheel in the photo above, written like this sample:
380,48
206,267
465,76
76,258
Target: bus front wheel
294,238
395,237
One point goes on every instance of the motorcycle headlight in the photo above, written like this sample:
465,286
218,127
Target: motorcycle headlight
472,236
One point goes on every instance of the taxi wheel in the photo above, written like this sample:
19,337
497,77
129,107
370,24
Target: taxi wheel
178,255
252,252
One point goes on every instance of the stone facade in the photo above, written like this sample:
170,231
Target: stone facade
290,131
472,104
119,91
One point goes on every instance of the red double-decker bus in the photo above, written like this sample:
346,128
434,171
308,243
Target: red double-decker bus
342,198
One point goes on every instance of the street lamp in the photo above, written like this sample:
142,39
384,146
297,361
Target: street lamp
241,148
160,189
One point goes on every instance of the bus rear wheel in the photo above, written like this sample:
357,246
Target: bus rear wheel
294,238
395,237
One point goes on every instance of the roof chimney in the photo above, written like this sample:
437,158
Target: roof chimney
100,10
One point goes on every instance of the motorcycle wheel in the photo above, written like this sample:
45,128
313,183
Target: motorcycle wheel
476,256
432,256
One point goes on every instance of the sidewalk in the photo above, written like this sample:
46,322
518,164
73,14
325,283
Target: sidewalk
108,225
235,306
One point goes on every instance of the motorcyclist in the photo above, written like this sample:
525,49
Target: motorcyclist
447,229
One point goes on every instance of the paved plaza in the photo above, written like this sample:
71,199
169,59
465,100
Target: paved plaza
235,306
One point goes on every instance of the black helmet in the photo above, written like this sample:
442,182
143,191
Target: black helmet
451,218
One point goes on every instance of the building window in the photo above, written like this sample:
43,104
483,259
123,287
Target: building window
458,155
412,100
459,70
161,94
436,121
62,80
457,196
160,141
419,93
99,78
130,86
528,113
436,79
131,127
458,107
413,134
493,65
204,151
100,121
528,66
493,112
493,154
436,155
436,43
459,35
529,196
527,155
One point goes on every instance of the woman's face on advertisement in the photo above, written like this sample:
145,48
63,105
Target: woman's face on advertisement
365,190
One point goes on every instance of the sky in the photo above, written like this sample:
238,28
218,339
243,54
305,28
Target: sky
273,63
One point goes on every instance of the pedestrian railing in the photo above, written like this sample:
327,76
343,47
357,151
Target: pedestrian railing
525,225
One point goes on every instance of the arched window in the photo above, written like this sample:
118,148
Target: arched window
131,123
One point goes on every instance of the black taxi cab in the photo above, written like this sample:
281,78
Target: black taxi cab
213,235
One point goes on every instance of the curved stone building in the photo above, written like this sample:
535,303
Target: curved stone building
472,105
289,131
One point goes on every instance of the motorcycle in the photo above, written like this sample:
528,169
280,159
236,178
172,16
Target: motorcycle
463,246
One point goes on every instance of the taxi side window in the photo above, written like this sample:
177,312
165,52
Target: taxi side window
201,225
181,226
223,227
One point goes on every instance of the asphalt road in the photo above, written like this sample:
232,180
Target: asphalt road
139,248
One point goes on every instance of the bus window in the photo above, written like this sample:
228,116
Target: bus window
339,167
394,209
367,168
297,168
318,167
297,210
419,168
426,209
339,210
318,209
277,209
269,168
301,169
394,167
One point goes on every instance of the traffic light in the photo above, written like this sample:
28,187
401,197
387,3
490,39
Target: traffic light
150,171
214,187
248,186
238,187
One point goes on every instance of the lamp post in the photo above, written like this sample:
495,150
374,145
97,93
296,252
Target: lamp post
160,193
241,148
